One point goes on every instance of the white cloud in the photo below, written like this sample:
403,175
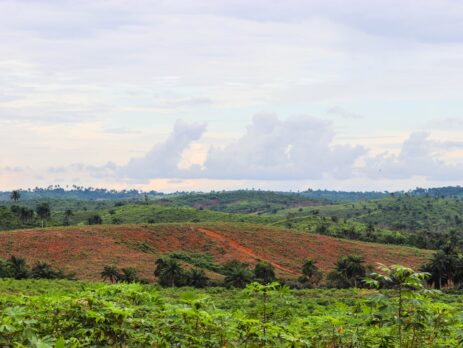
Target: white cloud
164,158
79,80
295,148
419,156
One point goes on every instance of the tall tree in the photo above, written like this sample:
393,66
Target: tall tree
67,217
442,268
15,195
44,212
311,275
26,215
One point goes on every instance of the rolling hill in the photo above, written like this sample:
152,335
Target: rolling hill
87,249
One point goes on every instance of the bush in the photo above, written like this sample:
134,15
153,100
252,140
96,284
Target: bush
95,220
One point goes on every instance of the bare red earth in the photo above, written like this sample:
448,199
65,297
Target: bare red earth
86,250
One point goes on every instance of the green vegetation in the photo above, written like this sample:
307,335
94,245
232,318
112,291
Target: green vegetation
39,313
422,218
198,302
422,221
242,201
17,268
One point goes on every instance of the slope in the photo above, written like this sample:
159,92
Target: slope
87,249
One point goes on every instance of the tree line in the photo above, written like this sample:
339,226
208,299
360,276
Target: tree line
445,269
17,268
349,271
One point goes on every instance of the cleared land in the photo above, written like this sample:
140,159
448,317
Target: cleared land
87,249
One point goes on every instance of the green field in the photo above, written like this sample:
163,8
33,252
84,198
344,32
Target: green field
40,313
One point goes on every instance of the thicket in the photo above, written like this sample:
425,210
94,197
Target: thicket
17,268
134,315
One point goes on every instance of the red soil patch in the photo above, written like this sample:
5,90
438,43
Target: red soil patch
86,250
233,244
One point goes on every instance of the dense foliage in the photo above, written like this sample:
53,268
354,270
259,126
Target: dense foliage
63,314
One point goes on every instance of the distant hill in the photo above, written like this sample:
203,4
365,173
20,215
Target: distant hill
220,199
86,250
442,192
242,201
353,196
77,193
344,196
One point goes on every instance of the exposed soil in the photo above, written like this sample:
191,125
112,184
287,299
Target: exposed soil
86,250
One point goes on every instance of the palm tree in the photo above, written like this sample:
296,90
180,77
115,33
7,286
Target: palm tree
169,272
44,212
264,272
26,215
15,195
67,216
311,274
43,270
197,278
128,275
19,267
238,277
111,273
442,268
352,268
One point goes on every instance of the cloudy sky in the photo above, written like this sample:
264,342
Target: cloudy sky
221,94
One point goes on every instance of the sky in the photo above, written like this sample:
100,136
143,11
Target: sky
208,95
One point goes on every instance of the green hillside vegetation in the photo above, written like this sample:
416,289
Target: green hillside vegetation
409,213
123,213
344,196
243,201
343,228
417,220
149,213
132,315
56,192
426,222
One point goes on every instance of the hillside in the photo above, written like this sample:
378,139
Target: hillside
422,221
242,201
86,250
404,212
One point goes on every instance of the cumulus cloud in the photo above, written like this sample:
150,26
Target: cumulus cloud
163,159
295,148
419,156
271,149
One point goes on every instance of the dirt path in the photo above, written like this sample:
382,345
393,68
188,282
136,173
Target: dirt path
242,249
